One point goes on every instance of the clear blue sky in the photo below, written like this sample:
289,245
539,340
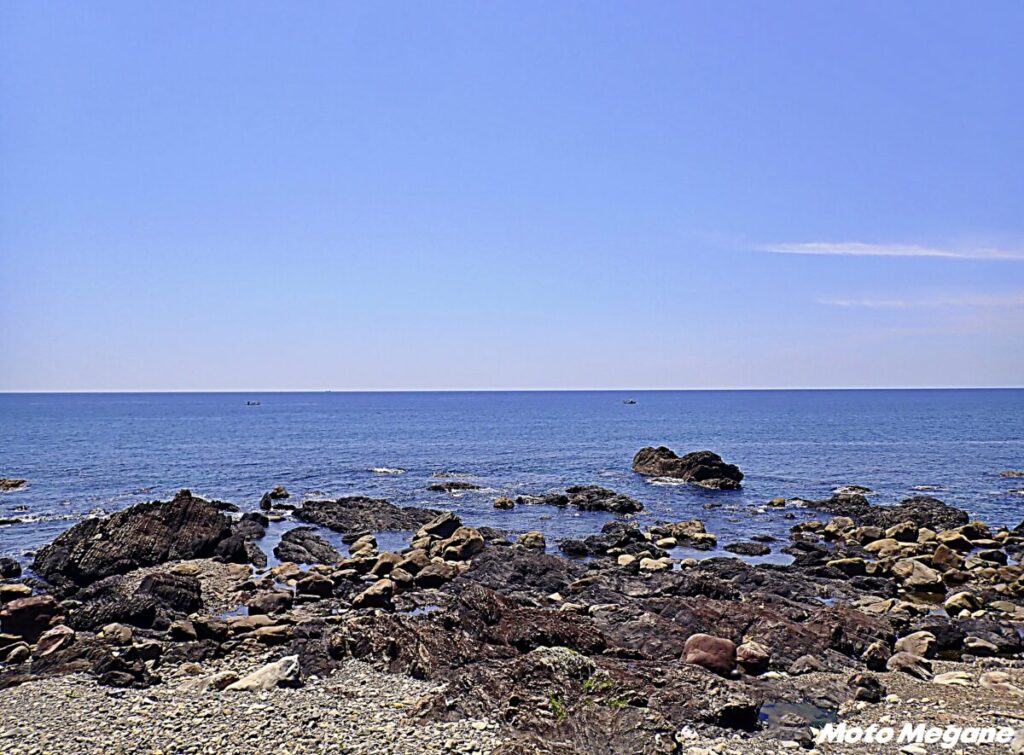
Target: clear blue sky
510,195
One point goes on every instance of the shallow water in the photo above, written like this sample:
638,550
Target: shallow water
102,452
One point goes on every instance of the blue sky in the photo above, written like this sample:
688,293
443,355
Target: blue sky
510,195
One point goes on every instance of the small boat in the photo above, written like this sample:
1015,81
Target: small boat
252,403
629,401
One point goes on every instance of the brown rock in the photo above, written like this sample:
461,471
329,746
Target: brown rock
713,653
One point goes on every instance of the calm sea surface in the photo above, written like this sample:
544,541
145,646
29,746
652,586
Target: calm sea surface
97,453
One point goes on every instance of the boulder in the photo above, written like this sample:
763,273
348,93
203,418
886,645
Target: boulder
29,617
753,657
713,653
282,673
143,535
703,468
917,577
919,643
377,595
909,663
504,503
435,575
54,639
272,601
9,568
688,534
533,539
463,544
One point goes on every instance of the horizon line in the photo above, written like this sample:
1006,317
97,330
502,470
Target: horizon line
143,391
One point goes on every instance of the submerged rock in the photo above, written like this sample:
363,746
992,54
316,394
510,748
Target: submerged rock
10,484
704,468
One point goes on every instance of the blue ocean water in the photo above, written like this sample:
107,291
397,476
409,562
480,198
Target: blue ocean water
87,453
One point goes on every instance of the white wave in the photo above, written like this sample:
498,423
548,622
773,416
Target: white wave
387,470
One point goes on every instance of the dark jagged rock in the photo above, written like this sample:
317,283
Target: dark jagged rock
587,498
748,549
9,568
10,484
361,514
452,486
304,546
180,593
922,510
144,535
704,468
29,617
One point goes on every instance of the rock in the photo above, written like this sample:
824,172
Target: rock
588,498
29,617
439,527
955,540
54,639
364,546
954,678
919,643
9,568
805,664
961,601
278,493
178,592
302,545
713,653
704,468
17,653
753,657
910,664
282,673
13,592
918,577
866,687
563,662
851,567
270,602
688,534
143,535
361,514
1011,473
748,549
182,630
435,575
922,511
117,634
945,558
626,560
655,564
377,595
386,563
980,646
11,484
533,539
463,544
504,503
876,656
904,532
452,486
1000,681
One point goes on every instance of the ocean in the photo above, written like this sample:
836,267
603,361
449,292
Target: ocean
87,454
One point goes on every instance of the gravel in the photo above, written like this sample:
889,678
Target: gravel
356,710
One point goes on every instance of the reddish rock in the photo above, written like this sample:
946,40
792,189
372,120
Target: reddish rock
713,653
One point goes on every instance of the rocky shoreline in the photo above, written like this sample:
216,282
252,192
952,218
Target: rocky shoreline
166,627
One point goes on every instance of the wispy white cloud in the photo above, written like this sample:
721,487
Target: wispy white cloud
861,249
976,301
